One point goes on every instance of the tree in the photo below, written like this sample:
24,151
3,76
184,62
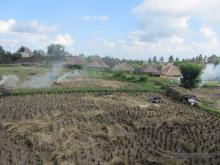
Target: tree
8,57
149,61
214,59
171,59
14,57
190,75
155,59
110,61
3,57
161,59
177,59
56,51
81,55
2,51
93,57
200,59
39,53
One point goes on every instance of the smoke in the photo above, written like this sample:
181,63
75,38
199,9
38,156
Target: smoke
40,81
211,73
69,75
45,80
10,81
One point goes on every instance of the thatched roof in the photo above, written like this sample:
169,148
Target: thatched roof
97,64
123,67
74,60
149,69
171,70
28,60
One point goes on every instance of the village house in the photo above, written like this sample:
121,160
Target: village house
149,70
74,61
123,67
98,65
170,70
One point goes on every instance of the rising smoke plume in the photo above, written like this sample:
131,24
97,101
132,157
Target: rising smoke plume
69,75
211,73
10,81
45,80
40,81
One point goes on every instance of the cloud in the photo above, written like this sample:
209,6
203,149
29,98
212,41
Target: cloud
33,34
182,28
101,18
6,25
65,40
166,27
134,49
168,7
8,43
30,27
164,18
200,8
208,33
33,41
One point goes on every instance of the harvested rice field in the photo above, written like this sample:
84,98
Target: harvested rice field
105,129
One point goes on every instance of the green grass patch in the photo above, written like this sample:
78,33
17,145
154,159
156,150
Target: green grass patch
124,76
210,84
206,108
93,73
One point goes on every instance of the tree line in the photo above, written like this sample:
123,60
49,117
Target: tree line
58,52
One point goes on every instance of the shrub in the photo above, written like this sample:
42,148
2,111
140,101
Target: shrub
73,66
143,79
190,75
120,75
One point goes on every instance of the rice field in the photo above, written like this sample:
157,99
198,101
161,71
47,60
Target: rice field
105,129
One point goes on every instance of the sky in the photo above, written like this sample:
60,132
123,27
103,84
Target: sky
131,29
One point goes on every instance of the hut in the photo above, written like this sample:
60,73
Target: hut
171,70
98,65
150,70
74,61
25,52
123,67
28,61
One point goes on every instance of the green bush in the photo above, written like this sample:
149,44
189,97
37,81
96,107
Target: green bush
73,66
190,75
120,75
143,79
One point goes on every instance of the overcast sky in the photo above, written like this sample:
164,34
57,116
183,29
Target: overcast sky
134,29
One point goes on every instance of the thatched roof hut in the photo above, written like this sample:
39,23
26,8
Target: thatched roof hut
171,70
25,51
123,67
28,61
74,60
98,64
149,70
